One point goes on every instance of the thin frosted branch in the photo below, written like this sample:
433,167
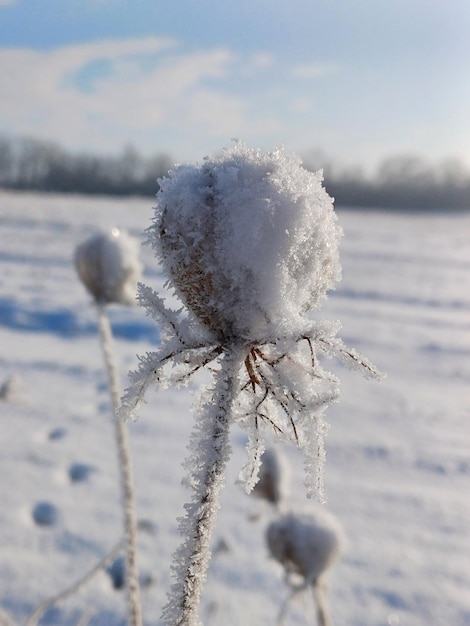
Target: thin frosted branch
140,380
334,346
255,447
188,359
187,329
167,319
75,588
126,474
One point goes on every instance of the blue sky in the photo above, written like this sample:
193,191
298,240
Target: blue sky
357,80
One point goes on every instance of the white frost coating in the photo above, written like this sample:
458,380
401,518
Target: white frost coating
108,265
250,240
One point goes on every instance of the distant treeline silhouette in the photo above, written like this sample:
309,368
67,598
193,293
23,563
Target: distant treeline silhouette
400,183
33,165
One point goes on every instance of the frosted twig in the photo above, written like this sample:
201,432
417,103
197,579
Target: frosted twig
75,588
334,346
126,474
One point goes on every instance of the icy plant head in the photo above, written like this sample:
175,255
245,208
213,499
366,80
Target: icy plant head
250,240
109,267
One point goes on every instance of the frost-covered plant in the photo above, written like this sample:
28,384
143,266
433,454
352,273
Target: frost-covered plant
306,545
272,478
249,241
108,265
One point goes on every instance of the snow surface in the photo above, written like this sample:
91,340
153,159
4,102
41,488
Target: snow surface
398,461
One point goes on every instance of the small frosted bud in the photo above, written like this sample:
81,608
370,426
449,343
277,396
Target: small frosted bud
108,265
249,239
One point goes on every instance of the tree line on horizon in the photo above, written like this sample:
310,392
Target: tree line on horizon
400,183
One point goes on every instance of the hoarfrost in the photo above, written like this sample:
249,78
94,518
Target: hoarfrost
250,240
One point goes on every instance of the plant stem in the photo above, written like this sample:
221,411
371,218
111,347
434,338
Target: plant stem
210,452
322,612
125,471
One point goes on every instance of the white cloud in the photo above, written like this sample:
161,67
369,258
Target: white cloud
99,95
314,70
6,3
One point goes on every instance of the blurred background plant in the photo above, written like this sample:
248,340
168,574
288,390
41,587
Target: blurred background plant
109,267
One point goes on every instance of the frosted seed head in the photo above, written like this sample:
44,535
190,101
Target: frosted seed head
108,265
249,240
306,544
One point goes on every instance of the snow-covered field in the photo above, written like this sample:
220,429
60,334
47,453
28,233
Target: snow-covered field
398,465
